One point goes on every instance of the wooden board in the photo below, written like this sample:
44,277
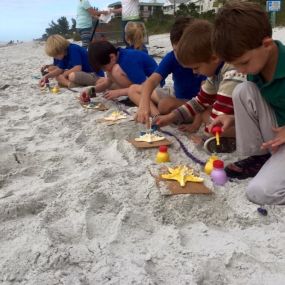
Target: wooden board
149,145
94,106
175,188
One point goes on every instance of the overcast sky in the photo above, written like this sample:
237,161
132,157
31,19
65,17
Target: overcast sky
26,20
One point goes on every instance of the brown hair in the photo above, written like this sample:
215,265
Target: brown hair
239,27
99,54
178,28
195,43
56,45
134,34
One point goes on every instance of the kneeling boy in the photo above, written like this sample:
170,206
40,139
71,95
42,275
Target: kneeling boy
243,37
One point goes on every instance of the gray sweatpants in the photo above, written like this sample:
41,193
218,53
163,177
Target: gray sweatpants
254,120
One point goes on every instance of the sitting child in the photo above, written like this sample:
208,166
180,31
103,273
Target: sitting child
70,66
135,34
243,37
124,67
194,50
186,84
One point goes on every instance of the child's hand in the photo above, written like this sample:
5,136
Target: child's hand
165,120
112,94
277,141
143,113
43,81
44,69
226,121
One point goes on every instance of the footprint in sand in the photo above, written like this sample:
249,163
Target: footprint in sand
15,210
101,216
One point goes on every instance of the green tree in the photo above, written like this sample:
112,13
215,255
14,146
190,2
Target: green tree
61,27
73,25
190,9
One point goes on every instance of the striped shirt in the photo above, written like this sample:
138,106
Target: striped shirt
216,92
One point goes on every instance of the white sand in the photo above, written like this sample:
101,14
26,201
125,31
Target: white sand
79,206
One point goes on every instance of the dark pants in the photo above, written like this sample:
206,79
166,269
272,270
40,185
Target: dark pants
85,36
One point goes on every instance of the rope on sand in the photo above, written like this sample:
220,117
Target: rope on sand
186,151
121,107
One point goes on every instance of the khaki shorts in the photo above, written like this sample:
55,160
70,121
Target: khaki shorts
85,79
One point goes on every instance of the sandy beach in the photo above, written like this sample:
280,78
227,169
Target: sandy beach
78,203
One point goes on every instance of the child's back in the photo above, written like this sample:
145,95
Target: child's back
137,64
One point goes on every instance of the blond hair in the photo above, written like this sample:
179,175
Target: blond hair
56,45
135,33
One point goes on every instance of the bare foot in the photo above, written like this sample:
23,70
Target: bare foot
190,128
196,139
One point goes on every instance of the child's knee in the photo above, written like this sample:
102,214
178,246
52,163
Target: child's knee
134,90
259,192
243,91
71,77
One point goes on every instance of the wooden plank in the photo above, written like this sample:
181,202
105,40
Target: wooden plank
149,145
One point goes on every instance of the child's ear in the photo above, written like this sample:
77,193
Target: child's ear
113,58
266,42
215,58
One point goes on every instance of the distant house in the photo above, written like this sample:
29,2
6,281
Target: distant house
146,8
170,6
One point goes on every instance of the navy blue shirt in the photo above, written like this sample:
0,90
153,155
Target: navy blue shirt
137,64
75,55
144,48
186,83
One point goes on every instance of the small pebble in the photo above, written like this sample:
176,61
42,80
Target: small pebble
262,211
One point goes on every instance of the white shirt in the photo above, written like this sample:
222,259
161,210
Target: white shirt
130,10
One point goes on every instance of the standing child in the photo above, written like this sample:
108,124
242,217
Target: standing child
243,37
130,12
71,65
194,50
186,84
124,67
135,34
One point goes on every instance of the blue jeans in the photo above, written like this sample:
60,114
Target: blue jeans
85,36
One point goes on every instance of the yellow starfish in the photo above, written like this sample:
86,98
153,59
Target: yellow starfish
115,116
148,137
182,174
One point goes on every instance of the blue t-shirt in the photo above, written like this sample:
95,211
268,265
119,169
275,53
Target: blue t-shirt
144,49
136,64
76,55
186,83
